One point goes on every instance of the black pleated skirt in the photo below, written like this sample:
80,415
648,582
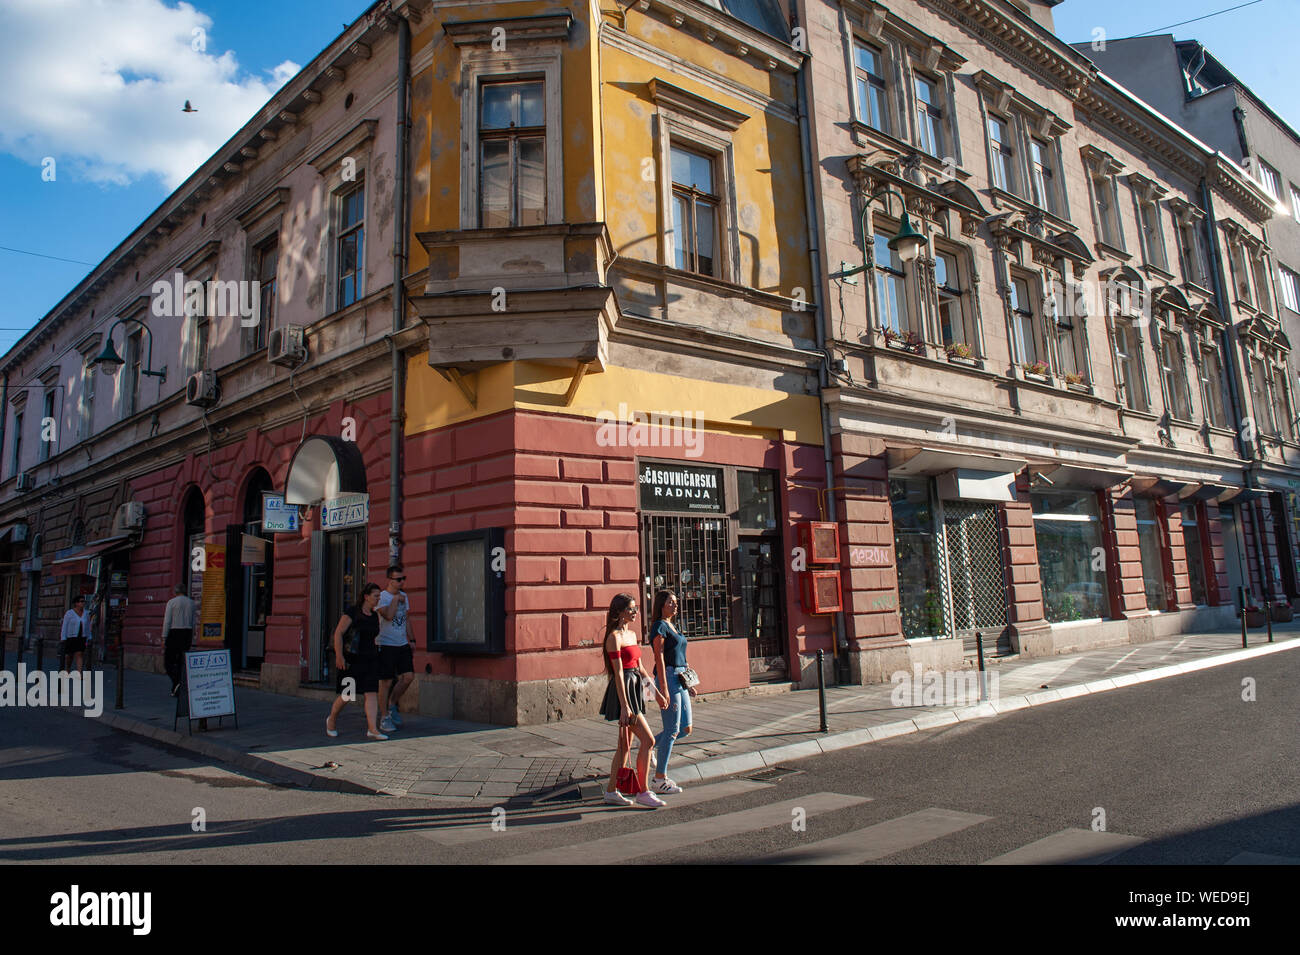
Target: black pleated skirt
635,684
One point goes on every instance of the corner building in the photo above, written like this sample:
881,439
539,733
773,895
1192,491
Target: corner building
1039,426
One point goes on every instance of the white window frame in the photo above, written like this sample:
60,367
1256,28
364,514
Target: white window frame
1153,246
887,122
86,401
337,195
1270,179
1289,282
1295,202
1002,154
1173,371
1029,312
1124,329
960,296
942,124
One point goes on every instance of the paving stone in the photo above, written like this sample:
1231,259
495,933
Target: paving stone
459,788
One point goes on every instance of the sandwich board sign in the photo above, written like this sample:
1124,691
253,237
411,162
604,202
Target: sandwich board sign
209,687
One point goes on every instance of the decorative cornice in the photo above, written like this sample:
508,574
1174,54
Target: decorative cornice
516,29
680,101
353,139
261,208
873,18
742,39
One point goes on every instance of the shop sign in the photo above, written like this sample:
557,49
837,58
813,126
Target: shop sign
346,510
94,566
252,549
278,517
212,612
675,487
210,689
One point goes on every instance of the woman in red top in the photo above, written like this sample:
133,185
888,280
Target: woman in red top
625,699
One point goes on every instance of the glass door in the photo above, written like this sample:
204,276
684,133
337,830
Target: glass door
760,601
345,575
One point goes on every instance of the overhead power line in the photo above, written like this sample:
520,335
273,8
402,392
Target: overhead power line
42,255
1207,16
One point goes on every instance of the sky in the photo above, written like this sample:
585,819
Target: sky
97,86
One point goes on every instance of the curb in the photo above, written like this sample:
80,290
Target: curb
717,766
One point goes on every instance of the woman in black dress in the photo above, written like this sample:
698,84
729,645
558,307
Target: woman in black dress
360,665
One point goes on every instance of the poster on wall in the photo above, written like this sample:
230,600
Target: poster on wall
212,609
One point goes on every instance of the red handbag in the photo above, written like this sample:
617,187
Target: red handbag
628,782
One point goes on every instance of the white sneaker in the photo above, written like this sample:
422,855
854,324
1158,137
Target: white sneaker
666,786
616,798
649,799
387,725
370,735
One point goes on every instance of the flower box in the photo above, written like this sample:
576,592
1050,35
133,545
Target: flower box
1282,612
1255,617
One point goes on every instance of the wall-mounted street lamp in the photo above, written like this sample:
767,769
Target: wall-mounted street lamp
110,361
908,243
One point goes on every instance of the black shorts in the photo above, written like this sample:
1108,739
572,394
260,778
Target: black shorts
365,670
73,645
394,661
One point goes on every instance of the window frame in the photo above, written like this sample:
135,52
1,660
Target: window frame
337,237
1289,280
1002,153
1270,180
86,401
48,401
1044,186
494,595
936,113
1105,210
1174,376
1031,312
16,452
1056,298
959,295
1214,404
871,80
130,376
692,198
513,136
1295,202
252,339
1124,330
1153,246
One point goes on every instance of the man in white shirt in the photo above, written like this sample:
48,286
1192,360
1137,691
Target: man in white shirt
396,660
72,637
178,634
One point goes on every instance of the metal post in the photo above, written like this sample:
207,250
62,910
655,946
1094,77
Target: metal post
40,654
821,689
121,671
1241,599
1268,619
979,651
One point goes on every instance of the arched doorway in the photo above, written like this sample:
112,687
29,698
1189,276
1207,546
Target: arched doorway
249,580
193,519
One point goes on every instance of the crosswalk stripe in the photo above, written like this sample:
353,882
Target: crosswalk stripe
646,842
1069,847
1261,858
517,821
880,840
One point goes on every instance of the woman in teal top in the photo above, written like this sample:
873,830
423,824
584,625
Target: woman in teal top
670,659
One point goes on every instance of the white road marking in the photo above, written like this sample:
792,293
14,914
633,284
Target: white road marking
880,840
1069,847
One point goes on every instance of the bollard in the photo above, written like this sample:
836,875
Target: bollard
40,654
1241,602
121,672
979,652
821,690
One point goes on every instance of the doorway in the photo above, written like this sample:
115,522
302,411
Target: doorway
761,587
1285,557
1232,551
342,577
976,580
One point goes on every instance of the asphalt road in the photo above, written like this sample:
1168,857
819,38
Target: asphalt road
1184,770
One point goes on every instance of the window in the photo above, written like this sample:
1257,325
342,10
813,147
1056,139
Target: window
1280,393
920,577
696,206
1153,572
15,463
1173,364
1042,176
1295,203
1264,296
1024,321
891,288
265,266
1067,530
350,245
1191,247
1240,271
953,328
512,160
1270,180
1107,212
929,116
1153,238
86,416
1129,377
1195,558
1002,153
1260,396
467,601
1068,332
1212,379
1289,283
49,426
131,386
872,104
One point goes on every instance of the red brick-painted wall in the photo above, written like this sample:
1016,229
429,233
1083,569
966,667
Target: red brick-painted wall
1178,585
223,478
1127,593
1020,558
1214,555
569,507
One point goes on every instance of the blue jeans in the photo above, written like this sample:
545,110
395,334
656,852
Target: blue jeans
676,718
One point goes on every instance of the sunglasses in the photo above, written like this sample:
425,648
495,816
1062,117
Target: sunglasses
398,579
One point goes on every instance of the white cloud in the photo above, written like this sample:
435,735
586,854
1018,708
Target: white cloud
99,85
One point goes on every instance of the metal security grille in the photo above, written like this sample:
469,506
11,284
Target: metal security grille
974,550
689,556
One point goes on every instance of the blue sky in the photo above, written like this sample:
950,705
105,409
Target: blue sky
99,87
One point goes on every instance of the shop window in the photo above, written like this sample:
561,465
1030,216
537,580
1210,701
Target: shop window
467,593
512,161
1195,558
1153,571
1071,559
691,557
695,212
349,245
869,78
757,501
921,589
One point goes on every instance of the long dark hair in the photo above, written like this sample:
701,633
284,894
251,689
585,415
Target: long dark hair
616,607
661,598
361,598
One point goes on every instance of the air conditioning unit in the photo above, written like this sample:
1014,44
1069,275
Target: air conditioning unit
202,389
129,517
26,481
287,346
821,591
820,541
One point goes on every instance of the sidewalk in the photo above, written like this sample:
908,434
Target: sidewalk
457,763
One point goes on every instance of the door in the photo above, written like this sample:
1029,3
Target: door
1232,551
257,599
976,581
761,587
1285,562
345,574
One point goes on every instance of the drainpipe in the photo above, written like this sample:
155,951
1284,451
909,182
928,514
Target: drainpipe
398,399
1236,388
823,375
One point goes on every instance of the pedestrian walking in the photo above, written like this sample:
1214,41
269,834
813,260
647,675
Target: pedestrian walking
357,659
72,636
396,650
625,700
178,635
675,680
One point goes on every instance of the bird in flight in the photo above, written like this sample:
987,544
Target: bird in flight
187,108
